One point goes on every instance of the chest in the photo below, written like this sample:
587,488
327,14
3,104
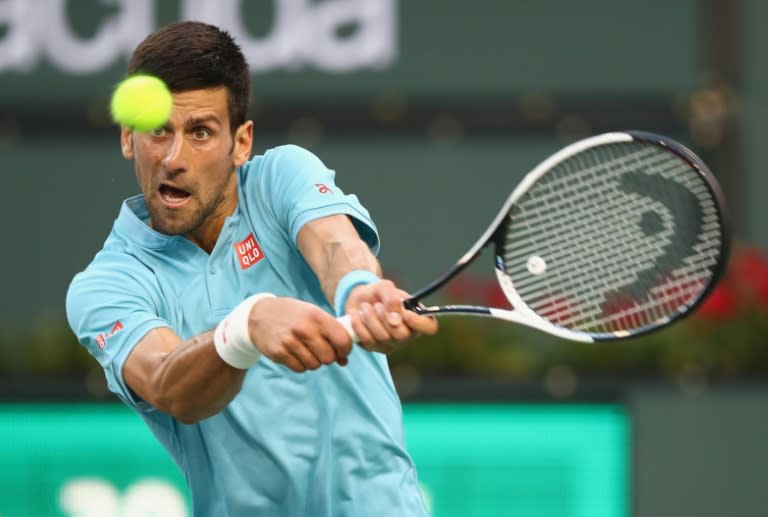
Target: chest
200,289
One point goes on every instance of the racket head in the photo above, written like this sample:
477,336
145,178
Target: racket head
614,236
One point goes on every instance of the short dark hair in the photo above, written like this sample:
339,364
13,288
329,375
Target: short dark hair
191,55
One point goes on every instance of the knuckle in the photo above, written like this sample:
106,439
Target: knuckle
315,314
281,356
300,329
289,345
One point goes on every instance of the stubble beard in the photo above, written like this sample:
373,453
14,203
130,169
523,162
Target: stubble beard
181,222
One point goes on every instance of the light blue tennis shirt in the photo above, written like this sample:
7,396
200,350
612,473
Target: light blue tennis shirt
323,443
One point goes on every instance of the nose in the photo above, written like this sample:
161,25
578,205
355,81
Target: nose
174,157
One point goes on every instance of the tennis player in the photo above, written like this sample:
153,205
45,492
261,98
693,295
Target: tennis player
211,307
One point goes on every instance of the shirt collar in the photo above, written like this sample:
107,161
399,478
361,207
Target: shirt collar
132,224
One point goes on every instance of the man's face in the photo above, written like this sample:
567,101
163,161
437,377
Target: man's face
185,168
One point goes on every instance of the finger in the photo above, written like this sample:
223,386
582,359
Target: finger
323,351
393,322
294,364
371,316
286,359
393,299
395,309
317,335
319,347
421,324
364,336
302,353
366,339
338,338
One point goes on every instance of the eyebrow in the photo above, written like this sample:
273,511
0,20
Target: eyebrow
197,121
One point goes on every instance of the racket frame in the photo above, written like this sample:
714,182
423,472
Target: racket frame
524,315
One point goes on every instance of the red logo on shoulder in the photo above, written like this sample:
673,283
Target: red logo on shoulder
248,252
101,339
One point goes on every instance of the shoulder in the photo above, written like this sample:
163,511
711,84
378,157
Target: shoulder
113,288
283,174
283,160
112,273
291,155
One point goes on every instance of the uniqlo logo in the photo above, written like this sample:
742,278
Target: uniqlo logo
101,339
248,252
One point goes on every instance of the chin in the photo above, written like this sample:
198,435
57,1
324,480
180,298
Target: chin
170,224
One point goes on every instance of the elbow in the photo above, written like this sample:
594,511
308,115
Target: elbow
192,403
187,411
191,395
184,413
177,408
190,418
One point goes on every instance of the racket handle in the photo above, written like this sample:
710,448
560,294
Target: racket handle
346,322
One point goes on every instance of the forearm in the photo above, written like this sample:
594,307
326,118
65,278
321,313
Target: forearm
334,251
345,256
332,248
187,380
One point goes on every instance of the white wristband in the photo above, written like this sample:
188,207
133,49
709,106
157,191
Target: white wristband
232,338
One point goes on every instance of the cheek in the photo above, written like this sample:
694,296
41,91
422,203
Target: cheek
144,170
147,158
144,177
216,171
216,184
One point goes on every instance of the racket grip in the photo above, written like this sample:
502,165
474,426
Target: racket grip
346,322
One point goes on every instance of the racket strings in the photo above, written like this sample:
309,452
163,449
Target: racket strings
552,224
623,235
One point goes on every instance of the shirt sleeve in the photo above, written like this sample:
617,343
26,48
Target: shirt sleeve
301,188
110,310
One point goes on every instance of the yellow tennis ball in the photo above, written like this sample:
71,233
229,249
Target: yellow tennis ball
141,102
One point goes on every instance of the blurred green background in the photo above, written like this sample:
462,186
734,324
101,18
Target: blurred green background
430,111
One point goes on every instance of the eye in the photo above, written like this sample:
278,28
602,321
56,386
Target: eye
159,131
201,133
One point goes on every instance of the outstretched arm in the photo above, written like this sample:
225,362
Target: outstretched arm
333,248
189,379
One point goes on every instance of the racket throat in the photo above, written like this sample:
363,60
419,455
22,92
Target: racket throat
413,303
475,310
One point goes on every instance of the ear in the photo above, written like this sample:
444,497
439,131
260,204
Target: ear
243,143
126,143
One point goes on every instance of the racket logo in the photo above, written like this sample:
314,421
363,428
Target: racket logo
248,252
672,203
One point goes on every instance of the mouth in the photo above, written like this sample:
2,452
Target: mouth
173,197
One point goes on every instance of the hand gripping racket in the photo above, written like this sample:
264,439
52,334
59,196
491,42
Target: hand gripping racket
611,237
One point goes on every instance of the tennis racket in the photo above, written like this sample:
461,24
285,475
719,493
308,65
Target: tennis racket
611,237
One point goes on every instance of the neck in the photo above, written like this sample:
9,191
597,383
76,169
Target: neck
206,235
